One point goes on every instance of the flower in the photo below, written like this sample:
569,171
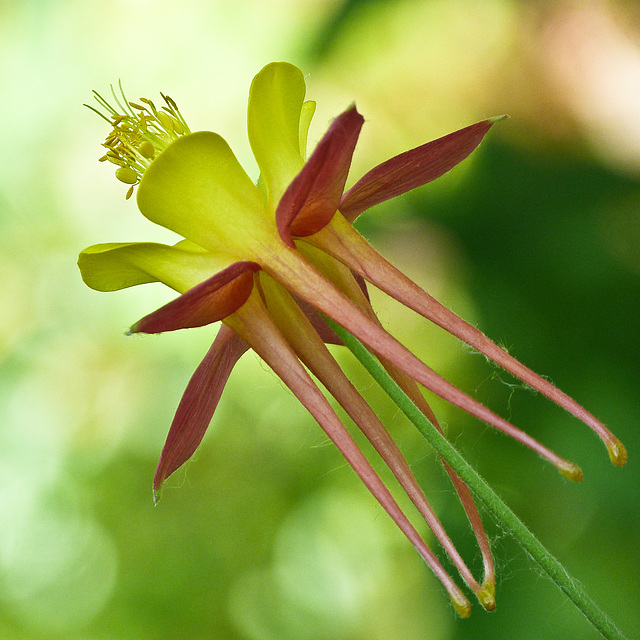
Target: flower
268,259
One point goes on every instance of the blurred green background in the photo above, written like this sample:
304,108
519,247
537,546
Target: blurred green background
267,534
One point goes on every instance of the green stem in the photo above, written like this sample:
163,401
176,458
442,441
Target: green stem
505,516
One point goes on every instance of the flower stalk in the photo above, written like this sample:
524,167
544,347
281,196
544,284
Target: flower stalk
490,500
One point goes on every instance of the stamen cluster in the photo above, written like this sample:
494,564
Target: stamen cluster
140,132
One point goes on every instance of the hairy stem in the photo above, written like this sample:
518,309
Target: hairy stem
493,503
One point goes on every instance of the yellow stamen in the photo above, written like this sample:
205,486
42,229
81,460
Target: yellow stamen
127,175
138,138
165,120
147,150
150,103
113,159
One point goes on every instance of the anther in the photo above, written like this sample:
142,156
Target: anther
150,103
147,150
166,121
127,175
177,126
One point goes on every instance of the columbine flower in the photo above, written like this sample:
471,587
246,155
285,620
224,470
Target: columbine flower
265,259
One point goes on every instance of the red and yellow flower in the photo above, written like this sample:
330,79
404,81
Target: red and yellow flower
268,260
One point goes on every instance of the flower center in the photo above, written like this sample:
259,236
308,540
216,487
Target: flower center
140,132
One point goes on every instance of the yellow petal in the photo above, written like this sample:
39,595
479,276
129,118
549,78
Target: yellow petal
197,188
275,103
113,266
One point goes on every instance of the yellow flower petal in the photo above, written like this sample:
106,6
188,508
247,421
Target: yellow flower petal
197,188
275,104
113,266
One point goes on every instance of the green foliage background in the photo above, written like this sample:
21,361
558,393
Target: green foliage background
267,534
